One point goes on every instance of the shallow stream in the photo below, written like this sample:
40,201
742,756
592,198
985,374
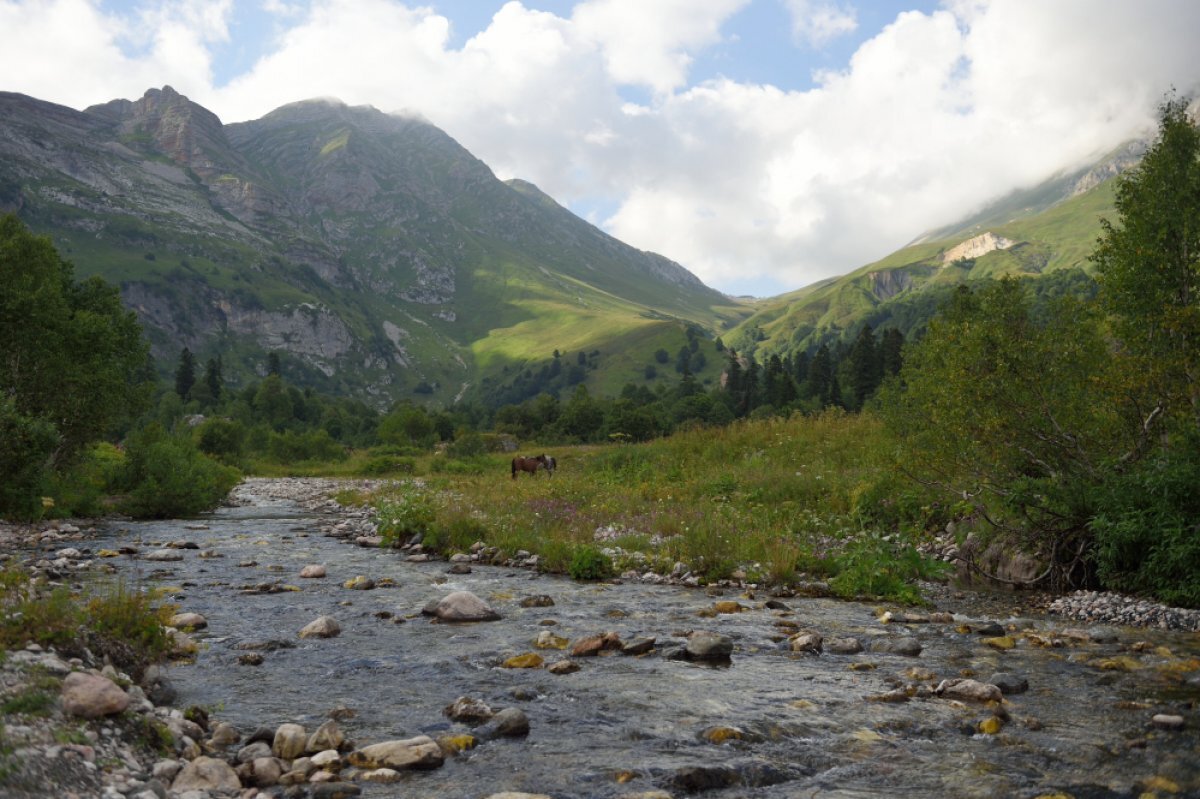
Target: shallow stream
624,725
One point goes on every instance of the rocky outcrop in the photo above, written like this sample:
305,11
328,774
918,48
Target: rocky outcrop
976,247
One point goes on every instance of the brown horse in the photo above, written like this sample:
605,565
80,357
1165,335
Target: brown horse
531,465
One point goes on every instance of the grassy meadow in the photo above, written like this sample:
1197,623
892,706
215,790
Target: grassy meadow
771,501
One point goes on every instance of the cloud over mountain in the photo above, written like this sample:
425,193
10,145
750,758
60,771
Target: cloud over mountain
750,185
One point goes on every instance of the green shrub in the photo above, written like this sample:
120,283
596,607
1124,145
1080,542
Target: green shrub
404,516
24,462
388,464
1147,533
167,476
29,702
315,445
589,563
128,627
872,566
223,439
82,488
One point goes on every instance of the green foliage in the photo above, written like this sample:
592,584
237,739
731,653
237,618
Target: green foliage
1147,526
71,365
589,563
24,461
314,445
29,702
1015,413
122,618
112,620
1149,264
168,476
873,566
388,464
407,514
224,439
408,425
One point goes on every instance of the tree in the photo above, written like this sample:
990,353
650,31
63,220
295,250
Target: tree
408,425
71,356
213,377
1013,416
581,416
1149,264
273,365
185,374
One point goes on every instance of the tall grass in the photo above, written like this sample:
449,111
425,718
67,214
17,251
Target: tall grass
770,499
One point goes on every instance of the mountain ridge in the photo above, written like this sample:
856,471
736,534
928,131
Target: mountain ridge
373,249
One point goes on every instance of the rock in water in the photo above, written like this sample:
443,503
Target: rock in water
421,752
321,627
464,606
289,741
969,689
709,647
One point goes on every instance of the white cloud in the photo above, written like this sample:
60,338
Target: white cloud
651,43
932,116
818,23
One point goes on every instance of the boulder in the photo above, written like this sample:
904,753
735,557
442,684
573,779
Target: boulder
321,627
508,723
421,752
192,621
463,606
91,696
843,646
906,645
709,647
313,570
809,642
1009,683
969,689
206,774
328,736
469,710
289,742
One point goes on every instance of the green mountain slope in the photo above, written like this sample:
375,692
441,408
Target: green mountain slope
1044,233
373,252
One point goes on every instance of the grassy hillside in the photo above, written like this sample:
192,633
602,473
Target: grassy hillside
903,289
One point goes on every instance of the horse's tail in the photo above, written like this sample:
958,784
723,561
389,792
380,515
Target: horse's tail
514,468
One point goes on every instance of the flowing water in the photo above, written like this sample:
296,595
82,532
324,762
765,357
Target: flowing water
624,725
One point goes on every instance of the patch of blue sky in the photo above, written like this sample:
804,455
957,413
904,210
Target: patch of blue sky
759,45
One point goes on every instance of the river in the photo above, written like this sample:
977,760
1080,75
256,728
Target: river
794,724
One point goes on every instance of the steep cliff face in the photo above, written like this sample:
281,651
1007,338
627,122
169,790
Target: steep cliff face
372,250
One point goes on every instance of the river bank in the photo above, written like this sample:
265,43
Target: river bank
814,694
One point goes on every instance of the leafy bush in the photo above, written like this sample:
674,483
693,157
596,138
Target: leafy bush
1147,533
24,462
223,439
589,563
167,476
315,445
872,566
388,464
407,515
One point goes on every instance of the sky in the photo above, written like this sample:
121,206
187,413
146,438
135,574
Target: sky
763,144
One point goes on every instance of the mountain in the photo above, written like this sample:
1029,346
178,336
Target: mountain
376,255
1044,233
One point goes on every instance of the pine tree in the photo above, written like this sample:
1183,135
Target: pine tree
185,374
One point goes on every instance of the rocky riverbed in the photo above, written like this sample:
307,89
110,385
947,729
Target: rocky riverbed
325,666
